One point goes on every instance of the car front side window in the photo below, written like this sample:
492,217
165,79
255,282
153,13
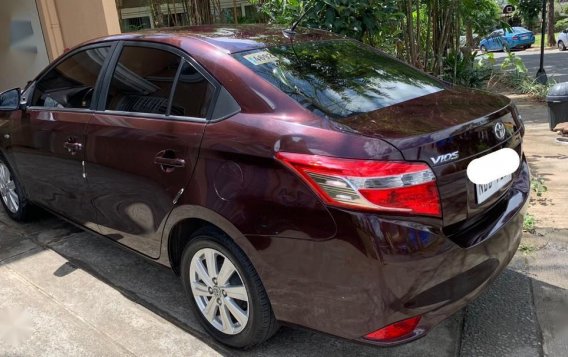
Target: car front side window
151,80
71,83
142,80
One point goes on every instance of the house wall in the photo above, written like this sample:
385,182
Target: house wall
68,23
22,48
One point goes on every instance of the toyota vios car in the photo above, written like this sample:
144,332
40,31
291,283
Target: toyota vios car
508,39
306,180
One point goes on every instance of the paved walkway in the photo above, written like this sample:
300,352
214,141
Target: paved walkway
64,292
555,62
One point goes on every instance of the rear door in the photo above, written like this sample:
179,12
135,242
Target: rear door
143,143
49,139
491,41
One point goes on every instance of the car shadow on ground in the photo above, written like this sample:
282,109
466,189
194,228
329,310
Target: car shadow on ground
496,322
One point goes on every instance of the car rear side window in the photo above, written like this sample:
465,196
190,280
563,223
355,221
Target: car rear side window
193,93
339,78
143,80
72,82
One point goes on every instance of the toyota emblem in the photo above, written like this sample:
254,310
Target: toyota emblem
499,131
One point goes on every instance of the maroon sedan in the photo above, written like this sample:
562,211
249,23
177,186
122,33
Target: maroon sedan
306,180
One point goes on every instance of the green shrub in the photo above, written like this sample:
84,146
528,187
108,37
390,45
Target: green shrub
561,25
514,75
462,68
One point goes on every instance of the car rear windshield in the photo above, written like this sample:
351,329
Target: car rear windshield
520,30
339,78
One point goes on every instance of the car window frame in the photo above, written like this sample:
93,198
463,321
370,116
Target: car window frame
31,94
184,56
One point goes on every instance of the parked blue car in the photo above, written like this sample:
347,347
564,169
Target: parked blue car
500,40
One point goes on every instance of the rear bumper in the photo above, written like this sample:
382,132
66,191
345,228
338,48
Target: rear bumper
465,273
522,43
459,275
378,271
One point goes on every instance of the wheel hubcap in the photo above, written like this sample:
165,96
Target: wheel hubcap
219,291
8,190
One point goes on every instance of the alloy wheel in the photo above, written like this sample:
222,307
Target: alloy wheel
8,189
219,291
561,46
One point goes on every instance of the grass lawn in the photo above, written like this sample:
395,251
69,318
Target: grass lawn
537,41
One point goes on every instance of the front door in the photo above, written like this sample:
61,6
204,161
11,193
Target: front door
143,144
48,143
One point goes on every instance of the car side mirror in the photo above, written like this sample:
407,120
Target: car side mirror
10,100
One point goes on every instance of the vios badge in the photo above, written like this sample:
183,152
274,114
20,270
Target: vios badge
445,158
499,130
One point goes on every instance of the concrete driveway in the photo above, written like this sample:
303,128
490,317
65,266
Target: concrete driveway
64,292
555,62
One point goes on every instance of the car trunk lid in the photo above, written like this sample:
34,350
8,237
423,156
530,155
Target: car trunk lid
448,130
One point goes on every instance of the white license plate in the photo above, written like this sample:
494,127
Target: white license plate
488,190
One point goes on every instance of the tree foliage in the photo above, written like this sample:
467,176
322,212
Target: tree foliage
364,20
528,10
422,32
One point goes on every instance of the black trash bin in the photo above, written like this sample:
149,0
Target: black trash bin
557,100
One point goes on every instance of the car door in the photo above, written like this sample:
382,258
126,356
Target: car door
491,42
48,142
143,143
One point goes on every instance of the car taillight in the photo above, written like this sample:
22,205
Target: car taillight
395,331
386,186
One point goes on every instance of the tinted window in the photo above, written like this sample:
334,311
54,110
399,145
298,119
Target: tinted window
142,81
520,30
339,78
72,82
193,93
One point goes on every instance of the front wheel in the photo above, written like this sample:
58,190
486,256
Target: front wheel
483,49
12,196
225,291
561,46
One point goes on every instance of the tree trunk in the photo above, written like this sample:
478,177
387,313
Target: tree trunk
428,32
200,12
410,32
468,34
169,13
417,61
550,24
235,12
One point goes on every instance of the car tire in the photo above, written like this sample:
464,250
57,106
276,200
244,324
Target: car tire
12,196
506,48
483,49
561,45
217,298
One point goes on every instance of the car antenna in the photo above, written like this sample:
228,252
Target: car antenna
291,32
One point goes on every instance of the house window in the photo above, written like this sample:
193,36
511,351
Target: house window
137,23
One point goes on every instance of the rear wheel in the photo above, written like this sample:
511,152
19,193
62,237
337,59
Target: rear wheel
225,291
12,196
483,48
561,45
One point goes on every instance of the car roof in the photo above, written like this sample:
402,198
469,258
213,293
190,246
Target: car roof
230,38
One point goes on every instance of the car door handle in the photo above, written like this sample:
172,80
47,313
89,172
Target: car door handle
169,162
73,147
